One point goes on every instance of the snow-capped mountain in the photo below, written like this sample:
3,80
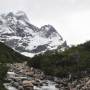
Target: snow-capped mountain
17,32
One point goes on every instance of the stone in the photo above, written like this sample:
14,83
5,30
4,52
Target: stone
20,88
28,88
27,83
16,84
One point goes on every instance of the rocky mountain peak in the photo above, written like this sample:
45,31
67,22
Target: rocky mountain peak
18,33
20,15
47,27
49,30
10,14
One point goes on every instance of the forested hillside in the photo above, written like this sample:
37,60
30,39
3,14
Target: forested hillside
74,61
8,55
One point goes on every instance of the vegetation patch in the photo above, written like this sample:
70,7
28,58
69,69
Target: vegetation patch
74,61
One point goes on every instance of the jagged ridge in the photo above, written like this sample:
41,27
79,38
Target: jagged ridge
17,32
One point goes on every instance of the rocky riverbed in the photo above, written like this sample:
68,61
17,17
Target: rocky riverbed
22,77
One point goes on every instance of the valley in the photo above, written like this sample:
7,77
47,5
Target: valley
22,77
33,58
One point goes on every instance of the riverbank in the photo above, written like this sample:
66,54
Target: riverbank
22,77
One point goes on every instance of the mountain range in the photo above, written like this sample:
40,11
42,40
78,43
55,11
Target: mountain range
17,32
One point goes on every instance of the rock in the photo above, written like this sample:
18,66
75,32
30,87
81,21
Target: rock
57,86
10,74
30,73
50,78
42,76
27,85
66,88
28,88
20,88
57,80
37,83
16,84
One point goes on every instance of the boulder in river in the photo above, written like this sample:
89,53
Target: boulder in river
27,85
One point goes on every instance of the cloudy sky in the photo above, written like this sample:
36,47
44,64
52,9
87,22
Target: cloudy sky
70,17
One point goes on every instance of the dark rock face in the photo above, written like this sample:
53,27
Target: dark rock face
39,48
17,32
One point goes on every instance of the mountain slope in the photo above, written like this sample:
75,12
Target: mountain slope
17,32
9,55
